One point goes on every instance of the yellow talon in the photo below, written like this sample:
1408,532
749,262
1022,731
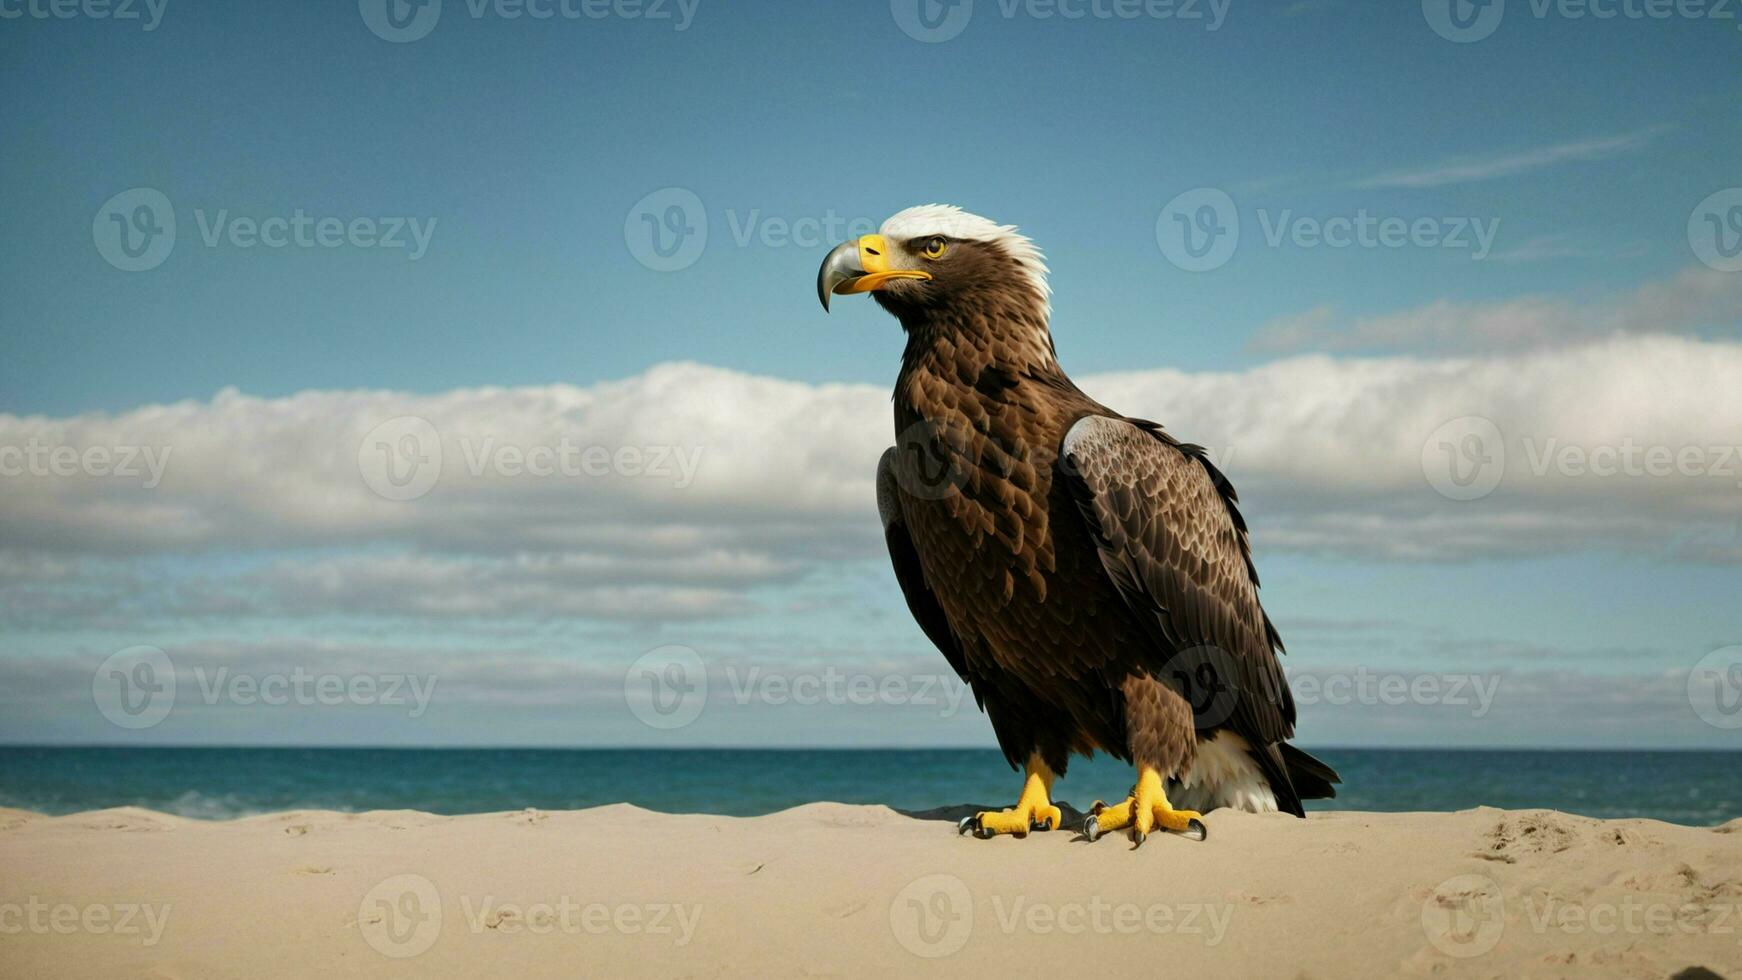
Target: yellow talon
1033,810
1144,810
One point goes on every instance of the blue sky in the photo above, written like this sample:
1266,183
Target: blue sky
525,148
528,142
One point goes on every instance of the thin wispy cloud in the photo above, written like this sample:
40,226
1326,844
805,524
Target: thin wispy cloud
1548,248
1466,170
1692,303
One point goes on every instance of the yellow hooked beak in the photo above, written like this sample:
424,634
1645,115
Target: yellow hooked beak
859,266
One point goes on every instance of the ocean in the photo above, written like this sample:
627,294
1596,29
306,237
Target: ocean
1694,788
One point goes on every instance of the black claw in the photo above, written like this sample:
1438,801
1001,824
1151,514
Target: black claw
1092,827
1201,832
972,823
1137,838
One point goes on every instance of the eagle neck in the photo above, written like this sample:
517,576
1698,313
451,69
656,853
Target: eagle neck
955,349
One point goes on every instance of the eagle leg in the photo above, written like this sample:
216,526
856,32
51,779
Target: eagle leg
1144,810
1033,810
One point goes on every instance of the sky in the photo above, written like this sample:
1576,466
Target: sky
472,347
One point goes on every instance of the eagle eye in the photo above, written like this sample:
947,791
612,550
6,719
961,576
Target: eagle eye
934,249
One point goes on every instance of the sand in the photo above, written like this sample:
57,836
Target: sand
834,890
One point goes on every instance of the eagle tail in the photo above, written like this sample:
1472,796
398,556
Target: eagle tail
1312,779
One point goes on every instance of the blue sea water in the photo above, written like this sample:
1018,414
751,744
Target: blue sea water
1696,788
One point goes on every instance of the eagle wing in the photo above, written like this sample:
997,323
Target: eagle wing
921,601
1173,543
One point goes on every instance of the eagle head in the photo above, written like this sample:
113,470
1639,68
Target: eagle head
935,263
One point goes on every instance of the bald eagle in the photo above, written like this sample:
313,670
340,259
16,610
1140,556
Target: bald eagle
1086,573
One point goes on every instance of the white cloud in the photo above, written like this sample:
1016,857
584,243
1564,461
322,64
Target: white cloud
1327,452
1330,452
765,460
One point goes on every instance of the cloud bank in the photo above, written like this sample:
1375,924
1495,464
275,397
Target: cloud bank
1625,442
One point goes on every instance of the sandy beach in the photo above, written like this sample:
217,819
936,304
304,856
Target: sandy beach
835,890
